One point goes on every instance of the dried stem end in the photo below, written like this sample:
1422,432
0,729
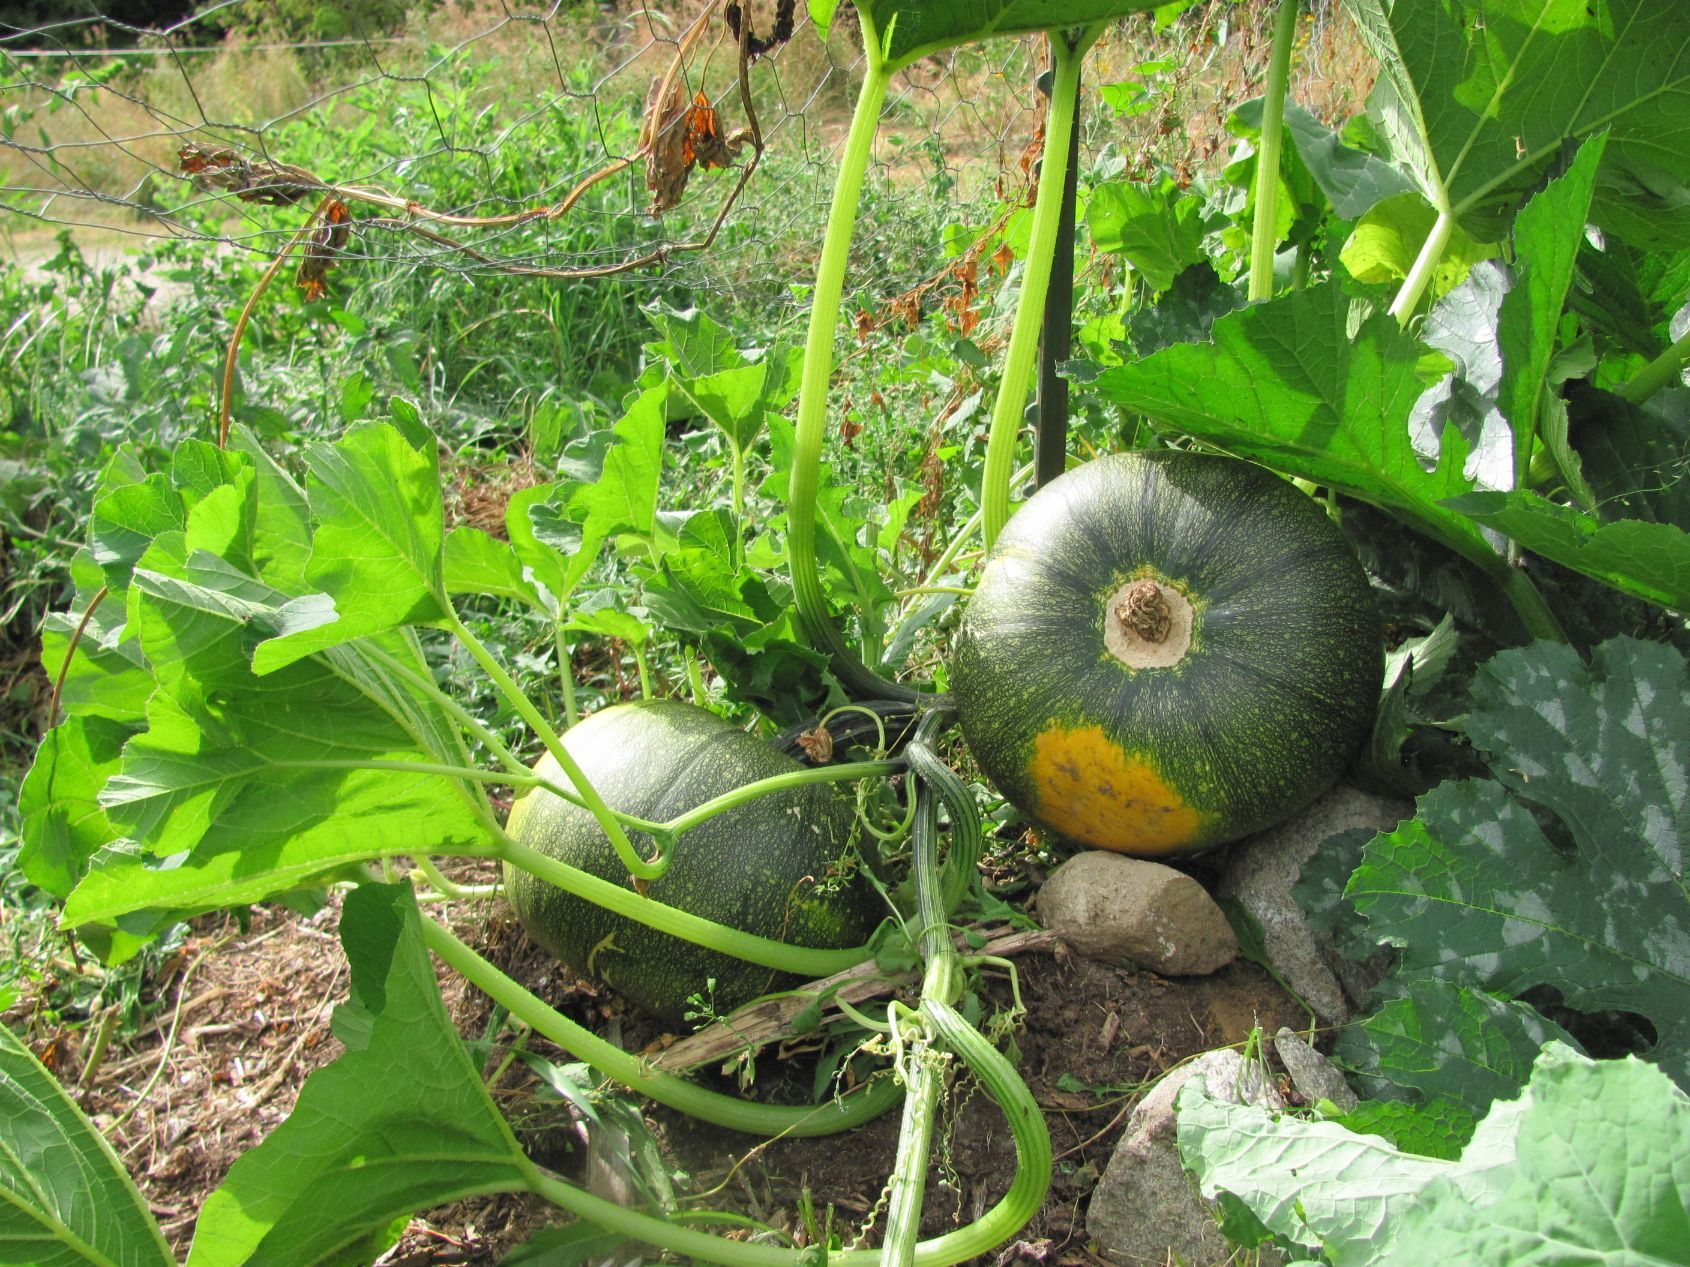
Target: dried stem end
1148,624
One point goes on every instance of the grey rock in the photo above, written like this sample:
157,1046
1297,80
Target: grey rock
1141,914
1314,1076
1145,1209
1258,880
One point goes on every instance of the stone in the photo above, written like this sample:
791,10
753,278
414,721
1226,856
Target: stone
1315,1077
1258,880
1145,1209
1133,913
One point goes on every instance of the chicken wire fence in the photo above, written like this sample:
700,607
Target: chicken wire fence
688,141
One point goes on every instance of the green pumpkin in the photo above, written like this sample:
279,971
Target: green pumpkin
1167,651
763,867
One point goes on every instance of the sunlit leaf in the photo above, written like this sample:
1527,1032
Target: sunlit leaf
1547,235
363,1147
250,785
1298,384
1587,1167
379,544
1158,230
65,1199
909,29
1382,247
1479,97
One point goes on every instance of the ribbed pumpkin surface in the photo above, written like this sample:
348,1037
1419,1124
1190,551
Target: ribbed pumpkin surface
755,867
1260,714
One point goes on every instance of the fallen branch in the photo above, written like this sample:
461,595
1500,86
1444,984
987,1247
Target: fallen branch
773,1019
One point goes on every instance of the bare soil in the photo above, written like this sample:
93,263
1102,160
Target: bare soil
242,1018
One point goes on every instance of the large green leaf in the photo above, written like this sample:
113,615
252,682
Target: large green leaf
1382,248
107,676
1158,230
65,1199
1442,1040
64,823
623,499
1353,180
379,545
1600,1176
1478,98
1293,383
399,1123
1587,1167
281,531
911,29
1650,560
476,562
1547,235
253,785
1473,892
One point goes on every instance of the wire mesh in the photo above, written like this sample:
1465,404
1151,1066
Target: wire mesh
560,141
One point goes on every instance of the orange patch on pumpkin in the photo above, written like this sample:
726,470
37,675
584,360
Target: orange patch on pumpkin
1093,792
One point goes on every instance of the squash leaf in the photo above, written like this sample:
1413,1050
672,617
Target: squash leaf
1649,560
1353,180
345,1164
247,785
1474,893
912,29
1293,384
1446,1042
1437,1128
1587,1167
1547,235
1159,230
65,1199
1479,98
378,546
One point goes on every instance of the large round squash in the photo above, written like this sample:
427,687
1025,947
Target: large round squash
1165,652
761,867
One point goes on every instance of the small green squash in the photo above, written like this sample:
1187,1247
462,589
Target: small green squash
763,867
1167,651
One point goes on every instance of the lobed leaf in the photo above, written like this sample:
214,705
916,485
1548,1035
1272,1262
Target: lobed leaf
246,786
1587,1166
1446,1042
1474,893
1547,235
362,1147
1648,560
378,547
1294,384
1478,98
65,1198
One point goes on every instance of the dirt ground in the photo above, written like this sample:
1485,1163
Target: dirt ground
244,1019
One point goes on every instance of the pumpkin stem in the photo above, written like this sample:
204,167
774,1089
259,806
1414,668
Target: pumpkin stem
1143,610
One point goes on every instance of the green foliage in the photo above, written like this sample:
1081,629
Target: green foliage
908,29
255,706
1293,384
1474,894
1158,229
337,1173
65,1198
1585,1167
1463,106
